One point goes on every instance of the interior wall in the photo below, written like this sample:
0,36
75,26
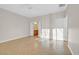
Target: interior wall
59,20
73,28
51,21
12,25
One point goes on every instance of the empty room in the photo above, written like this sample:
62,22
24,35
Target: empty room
39,29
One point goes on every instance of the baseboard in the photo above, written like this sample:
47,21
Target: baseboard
13,38
70,50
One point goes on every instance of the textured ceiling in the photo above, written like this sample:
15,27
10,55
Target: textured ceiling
32,10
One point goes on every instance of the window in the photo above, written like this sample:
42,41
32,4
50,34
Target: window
45,33
57,33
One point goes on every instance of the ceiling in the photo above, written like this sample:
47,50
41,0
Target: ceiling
33,10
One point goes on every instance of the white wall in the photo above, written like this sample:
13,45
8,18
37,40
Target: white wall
51,21
12,25
59,20
73,28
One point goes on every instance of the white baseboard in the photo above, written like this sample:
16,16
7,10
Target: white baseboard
70,50
13,38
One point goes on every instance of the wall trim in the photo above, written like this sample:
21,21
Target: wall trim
13,38
70,50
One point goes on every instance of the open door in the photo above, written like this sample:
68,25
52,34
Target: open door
35,29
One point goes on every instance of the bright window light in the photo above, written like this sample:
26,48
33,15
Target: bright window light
45,33
57,34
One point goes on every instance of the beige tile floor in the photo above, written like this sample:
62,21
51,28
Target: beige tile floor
34,46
